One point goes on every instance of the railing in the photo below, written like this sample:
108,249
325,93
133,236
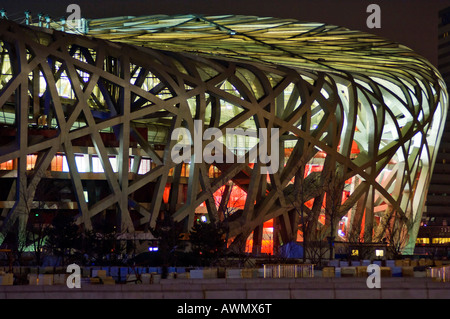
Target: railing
439,273
288,271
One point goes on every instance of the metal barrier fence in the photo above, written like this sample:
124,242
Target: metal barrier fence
439,273
288,271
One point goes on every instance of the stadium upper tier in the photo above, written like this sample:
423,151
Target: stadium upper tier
272,41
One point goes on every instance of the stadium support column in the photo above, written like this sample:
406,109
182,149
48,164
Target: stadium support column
20,207
84,216
124,219
257,240
277,235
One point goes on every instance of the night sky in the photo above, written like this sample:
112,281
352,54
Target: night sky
410,22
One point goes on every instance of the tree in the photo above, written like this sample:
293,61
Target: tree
298,194
90,246
16,245
396,234
63,237
326,189
226,207
169,234
37,229
208,240
332,204
333,186
316,251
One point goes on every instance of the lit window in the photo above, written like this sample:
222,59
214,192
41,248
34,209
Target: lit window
7,166
440,240
65,165
355,252
379,252
114,163
97,165
130,163
57,163
422,240
31,161
82,163
144,166
213,171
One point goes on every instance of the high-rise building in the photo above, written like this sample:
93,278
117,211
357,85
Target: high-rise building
435,229
444,44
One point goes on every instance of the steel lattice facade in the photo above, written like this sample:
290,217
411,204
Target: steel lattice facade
359,117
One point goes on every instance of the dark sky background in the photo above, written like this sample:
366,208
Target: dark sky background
410,22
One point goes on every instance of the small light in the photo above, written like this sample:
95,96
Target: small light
203,218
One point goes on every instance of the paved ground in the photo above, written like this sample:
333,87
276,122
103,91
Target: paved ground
237,289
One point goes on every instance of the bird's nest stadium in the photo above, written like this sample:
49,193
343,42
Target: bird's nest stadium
87,121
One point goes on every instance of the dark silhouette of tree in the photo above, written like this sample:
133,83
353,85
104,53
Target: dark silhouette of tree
298,194
101,248
228,205
169,235
63,237
396,234
17,246
90,246
37,229
208,241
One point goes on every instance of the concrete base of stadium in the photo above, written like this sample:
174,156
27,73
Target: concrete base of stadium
252,288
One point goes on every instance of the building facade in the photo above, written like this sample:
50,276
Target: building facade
434,233
88,122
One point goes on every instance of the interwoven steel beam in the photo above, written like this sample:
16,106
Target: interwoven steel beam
359,117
